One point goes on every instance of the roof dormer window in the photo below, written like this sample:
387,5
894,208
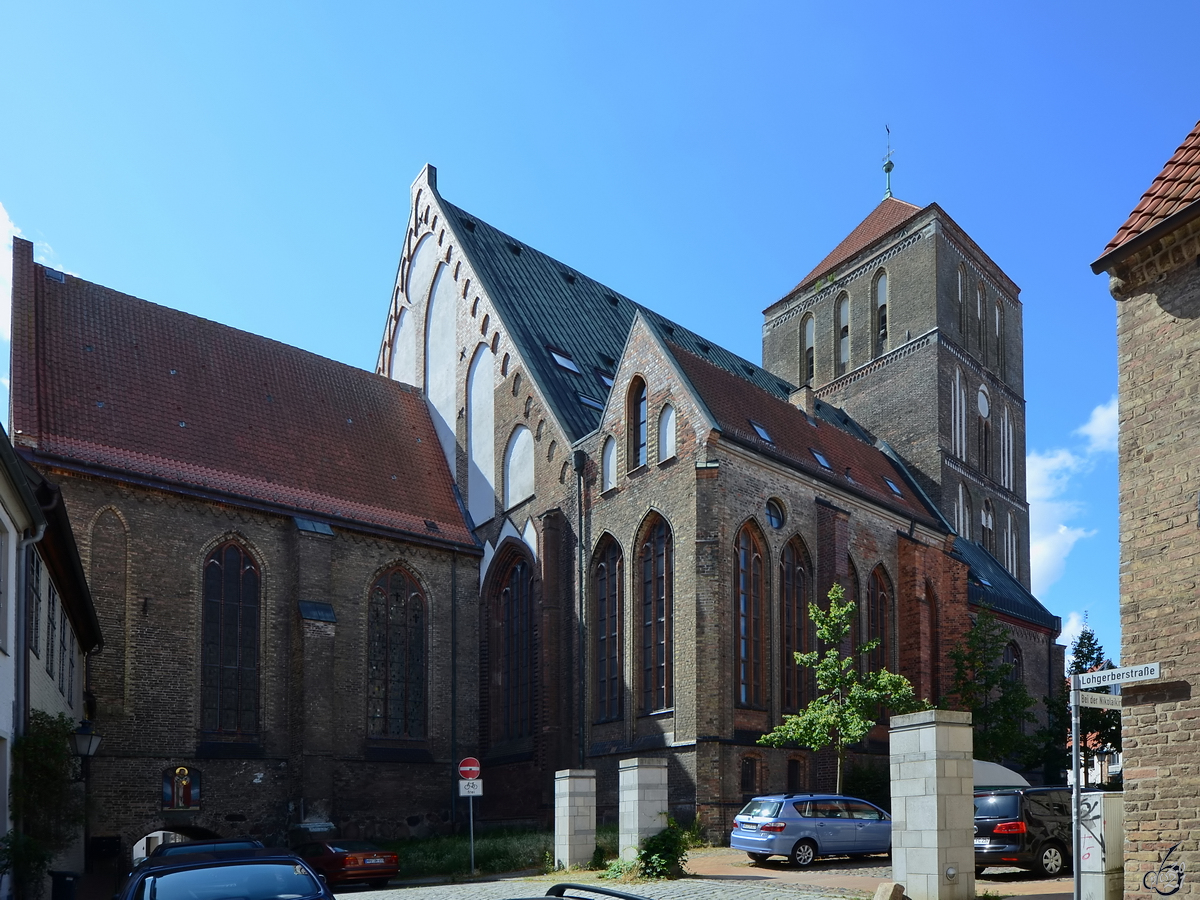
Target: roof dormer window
564,360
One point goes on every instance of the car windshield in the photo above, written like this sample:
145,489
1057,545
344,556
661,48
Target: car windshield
768,808
200,847
997,806
353,847
248,881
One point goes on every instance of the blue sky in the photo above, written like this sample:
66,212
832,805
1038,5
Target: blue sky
250,163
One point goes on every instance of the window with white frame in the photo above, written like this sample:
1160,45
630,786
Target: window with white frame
666,433
608,464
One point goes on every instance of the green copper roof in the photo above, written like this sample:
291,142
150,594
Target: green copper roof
547,305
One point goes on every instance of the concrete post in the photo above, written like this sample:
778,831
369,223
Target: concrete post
643,802
574,816
933,808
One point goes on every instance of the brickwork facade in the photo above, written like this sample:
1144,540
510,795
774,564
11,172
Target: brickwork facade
1158,342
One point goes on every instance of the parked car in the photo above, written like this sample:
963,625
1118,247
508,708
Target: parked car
247,874
175,848
345,861
805,827
1029,828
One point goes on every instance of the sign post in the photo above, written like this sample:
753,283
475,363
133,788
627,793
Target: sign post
470,786
1101,678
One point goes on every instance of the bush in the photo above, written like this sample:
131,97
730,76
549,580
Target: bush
663,854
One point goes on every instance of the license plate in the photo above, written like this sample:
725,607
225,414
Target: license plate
981,842
749,826
374,861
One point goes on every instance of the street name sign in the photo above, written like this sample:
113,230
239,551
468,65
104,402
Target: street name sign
1123,675
1100,701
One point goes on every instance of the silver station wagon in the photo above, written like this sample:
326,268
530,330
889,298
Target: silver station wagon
804,827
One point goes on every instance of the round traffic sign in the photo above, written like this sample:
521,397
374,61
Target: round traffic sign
468,768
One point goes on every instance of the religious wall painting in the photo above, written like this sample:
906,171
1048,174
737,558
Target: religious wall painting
180,788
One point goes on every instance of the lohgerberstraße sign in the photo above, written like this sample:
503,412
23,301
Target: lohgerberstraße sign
1124,675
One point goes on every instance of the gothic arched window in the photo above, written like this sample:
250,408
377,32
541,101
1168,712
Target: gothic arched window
842,357
608,465
988,527
879,619
635,419
983,403
880,337
229,654
609,578
999,338
657,614
794,572
748,608
981,322
396,662
1013,658
513,653
962,303
666,433
808,362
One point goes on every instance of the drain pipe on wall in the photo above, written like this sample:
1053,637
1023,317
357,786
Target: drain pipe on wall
453,682
580,461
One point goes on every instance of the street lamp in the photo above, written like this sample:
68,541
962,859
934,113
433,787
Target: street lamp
84,740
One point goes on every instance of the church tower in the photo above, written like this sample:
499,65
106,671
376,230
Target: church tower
913,330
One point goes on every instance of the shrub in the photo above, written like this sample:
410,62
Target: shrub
663,854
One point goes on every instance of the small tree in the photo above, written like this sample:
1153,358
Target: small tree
1097,727
47,805
987,688
845,708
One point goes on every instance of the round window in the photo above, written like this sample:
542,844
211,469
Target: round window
983,403
775,514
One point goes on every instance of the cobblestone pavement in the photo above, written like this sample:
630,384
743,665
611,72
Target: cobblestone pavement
684,889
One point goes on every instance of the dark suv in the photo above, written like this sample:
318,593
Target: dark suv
1029,828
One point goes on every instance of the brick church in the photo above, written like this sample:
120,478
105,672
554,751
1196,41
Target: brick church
554,529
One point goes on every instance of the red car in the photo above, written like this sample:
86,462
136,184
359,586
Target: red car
344,861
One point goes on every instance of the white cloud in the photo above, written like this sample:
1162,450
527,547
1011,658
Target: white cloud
1048,476
1101,428
7,231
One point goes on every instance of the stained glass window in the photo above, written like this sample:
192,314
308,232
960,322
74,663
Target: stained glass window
793,602
515,611
396,658
609,614
229,692
879,617
657,600
749,612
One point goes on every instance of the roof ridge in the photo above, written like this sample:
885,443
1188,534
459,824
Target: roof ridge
889,215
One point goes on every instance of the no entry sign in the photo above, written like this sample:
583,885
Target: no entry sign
468,768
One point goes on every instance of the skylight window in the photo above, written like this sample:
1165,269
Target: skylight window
590,401
564,360
820,457
892,485
605,377
762,431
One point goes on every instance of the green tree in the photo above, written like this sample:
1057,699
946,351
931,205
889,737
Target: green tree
1048,748
989,689
46,802
1098,728
848,699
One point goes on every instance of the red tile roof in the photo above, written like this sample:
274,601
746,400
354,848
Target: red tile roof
889,214
1177,186
735,403
104,380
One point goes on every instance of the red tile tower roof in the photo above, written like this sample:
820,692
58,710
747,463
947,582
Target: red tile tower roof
109,383
888,215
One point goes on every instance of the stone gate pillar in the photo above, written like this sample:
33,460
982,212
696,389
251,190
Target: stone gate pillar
643,802
933,806
574,816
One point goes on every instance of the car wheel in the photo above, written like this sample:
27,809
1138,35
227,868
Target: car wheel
804,853
1051,861
759,857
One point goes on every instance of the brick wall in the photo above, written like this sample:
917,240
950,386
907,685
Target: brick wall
144,550
1158,342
